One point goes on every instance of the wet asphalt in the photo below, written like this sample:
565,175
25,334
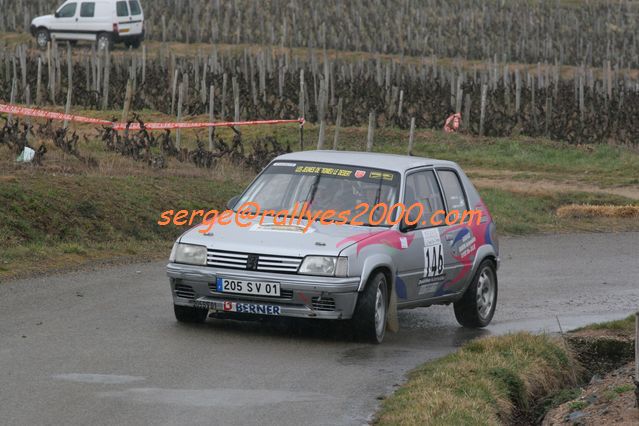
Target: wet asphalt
102,347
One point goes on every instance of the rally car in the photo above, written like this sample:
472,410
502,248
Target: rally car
343,267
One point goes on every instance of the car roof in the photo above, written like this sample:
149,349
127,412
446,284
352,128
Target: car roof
393,162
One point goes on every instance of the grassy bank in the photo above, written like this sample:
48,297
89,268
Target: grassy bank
488,381
48,222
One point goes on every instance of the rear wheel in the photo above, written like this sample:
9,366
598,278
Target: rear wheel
104,41
477,307
370,315
42,38
134,43
189,314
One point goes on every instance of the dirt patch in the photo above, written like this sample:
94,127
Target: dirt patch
538,186
586,210
607,400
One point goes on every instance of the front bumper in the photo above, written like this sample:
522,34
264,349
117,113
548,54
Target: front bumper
32,28
302,296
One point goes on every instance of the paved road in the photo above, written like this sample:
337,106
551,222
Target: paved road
103,347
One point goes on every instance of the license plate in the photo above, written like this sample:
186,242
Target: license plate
251,308
256,288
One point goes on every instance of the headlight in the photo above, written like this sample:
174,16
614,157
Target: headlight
325,265
188,253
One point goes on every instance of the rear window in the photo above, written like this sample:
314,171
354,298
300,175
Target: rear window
122,8
87,10
135,7
452,190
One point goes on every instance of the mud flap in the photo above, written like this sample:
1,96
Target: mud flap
392,322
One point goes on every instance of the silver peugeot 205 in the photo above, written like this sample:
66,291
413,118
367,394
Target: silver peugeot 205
375,231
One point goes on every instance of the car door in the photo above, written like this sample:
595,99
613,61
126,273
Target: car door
459,237
136,20
124,17
64,24
87,21
422,268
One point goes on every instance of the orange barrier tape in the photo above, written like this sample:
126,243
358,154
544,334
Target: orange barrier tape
31,112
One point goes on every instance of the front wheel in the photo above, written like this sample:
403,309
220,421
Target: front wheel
42,38
190,315
371,311
477,307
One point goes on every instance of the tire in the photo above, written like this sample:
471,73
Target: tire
104,41
42,38
477,307
190,315
371,311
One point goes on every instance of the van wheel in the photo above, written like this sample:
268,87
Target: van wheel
104,41
477,307
42,38
190,315
369,319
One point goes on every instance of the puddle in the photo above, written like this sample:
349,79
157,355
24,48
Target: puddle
214,397
104,379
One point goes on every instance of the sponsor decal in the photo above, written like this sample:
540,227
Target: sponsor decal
284,164
271,227
324,171
390,238
430,285
360,174
381,175
251,308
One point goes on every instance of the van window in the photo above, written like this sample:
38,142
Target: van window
452,190
68,10
135,7
87,10
122,8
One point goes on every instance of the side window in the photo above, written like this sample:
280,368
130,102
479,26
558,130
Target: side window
422,187
122,8
68,10
87,10
135,7
452,190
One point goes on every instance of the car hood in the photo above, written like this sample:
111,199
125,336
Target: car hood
284,240
41,19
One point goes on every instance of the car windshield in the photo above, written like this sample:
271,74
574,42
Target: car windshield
324,187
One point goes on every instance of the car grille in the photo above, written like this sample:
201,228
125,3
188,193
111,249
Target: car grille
284,294
185,291
323,304
253,262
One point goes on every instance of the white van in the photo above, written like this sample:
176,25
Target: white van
102,21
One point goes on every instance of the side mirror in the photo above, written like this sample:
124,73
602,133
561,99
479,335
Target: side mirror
409,222
232,202
57,14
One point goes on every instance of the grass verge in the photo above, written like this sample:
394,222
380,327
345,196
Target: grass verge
488,381
50,222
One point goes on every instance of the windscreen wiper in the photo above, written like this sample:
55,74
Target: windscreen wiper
313,190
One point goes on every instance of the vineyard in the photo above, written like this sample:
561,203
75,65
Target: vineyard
495,99
525,31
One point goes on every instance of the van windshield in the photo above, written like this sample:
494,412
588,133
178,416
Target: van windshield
324,187
135,7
